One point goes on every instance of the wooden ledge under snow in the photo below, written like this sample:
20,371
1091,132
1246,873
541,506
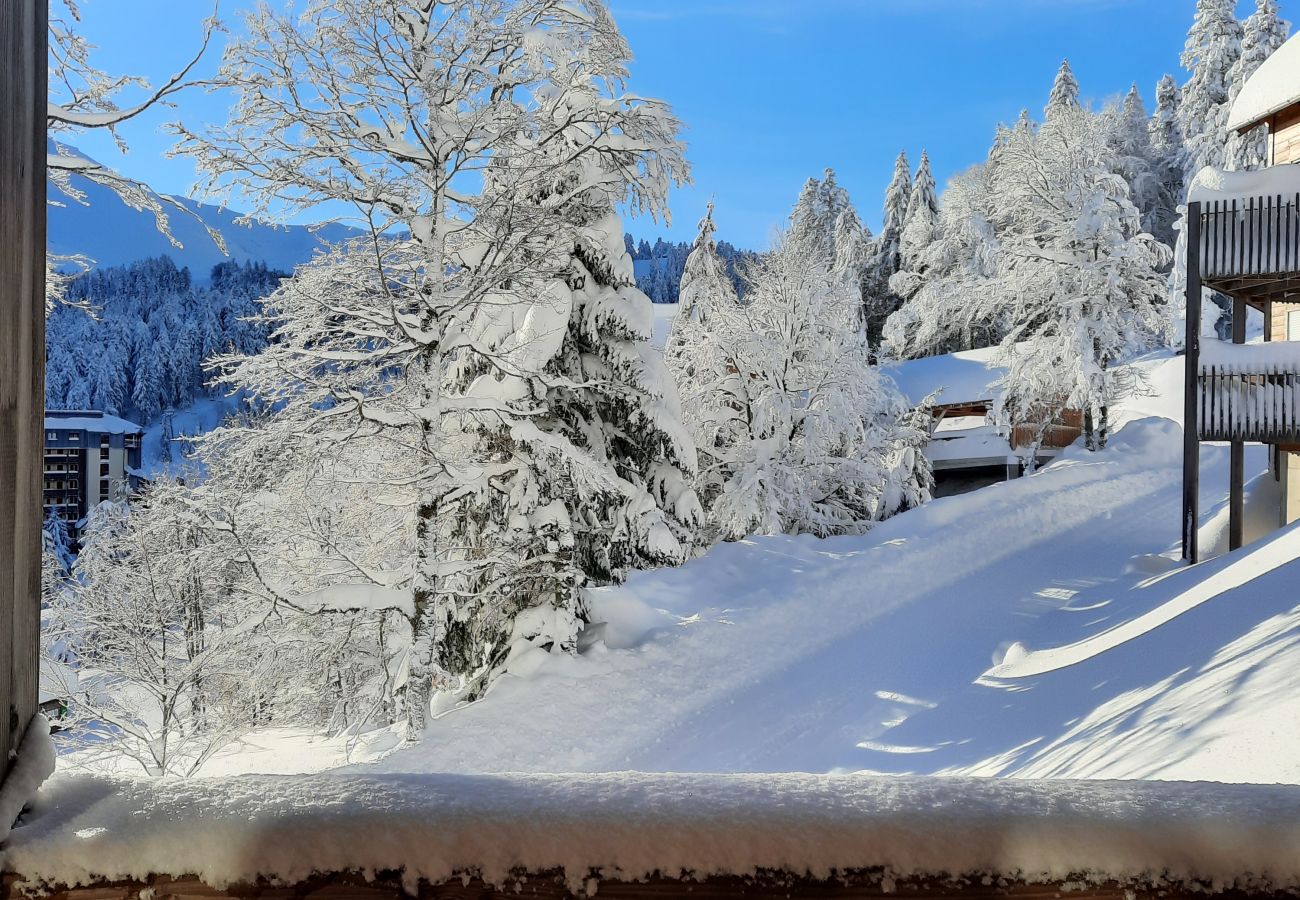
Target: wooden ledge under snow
631,834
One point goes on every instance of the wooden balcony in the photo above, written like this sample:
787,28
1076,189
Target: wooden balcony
1249,247
1249,392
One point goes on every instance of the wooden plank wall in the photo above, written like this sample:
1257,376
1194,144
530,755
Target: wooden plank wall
1284,136
1278,310
22,358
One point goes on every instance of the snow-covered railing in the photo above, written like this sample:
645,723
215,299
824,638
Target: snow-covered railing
637,835
1249,392
1246,236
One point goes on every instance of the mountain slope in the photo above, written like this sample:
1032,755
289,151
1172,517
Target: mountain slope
110,233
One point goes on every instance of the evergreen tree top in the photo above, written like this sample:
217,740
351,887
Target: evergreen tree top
897,196
1065,90
707,229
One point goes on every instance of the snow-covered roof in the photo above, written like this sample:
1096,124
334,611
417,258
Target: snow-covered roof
89,420
1212,184
962,377
629,826
1274,86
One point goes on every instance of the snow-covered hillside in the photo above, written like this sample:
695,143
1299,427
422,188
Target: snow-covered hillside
110,233
1028,629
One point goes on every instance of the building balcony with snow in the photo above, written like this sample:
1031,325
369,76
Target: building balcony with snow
1242,240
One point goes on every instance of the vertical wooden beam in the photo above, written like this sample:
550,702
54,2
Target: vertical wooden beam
1237,454
1192,358
22,358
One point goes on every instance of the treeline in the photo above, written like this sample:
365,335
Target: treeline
661,278
131,340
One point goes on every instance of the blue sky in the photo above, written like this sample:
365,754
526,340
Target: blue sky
773,91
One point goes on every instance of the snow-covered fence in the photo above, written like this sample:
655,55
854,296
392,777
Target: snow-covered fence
1249,392
1250,236
1263,406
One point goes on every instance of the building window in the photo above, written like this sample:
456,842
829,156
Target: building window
103,490
51,435
73,436
1293,325
103,453
103,470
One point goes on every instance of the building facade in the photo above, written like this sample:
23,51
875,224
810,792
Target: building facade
1243,241
90,457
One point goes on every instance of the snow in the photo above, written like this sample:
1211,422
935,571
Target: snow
972,443
58,420
350,597
664,313
1212,184
959,377
34,764
630,826
1263,358
790,654
1274,86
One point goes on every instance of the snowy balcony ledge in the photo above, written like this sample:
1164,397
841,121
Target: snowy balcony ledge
627,834
1249,231
1249,392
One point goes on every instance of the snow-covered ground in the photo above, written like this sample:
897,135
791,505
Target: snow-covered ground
1041,627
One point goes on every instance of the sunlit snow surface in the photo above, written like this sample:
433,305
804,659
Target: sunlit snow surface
1039,628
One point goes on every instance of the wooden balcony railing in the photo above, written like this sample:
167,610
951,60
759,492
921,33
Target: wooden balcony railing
1262,406
1249,237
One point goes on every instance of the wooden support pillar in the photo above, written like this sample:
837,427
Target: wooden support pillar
1192,358
1237,454
22,359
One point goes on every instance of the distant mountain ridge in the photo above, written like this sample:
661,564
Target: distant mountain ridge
110,233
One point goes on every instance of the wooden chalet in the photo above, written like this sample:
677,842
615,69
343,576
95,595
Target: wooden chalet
1243,241
967,450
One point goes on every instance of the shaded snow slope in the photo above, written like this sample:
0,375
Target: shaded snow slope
631,826
871,653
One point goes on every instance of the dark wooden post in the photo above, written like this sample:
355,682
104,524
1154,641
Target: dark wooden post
1192,358
1237,452
22,358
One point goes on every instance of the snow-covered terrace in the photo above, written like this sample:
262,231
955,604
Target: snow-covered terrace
627,834
1249,231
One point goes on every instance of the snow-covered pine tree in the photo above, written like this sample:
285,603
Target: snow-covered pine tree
879,300
807,436
1263,33
705,283
1210,55
922,216
695,360
1167,151
1134,159
1077,279
797,431
943,304
454,333
1065,91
